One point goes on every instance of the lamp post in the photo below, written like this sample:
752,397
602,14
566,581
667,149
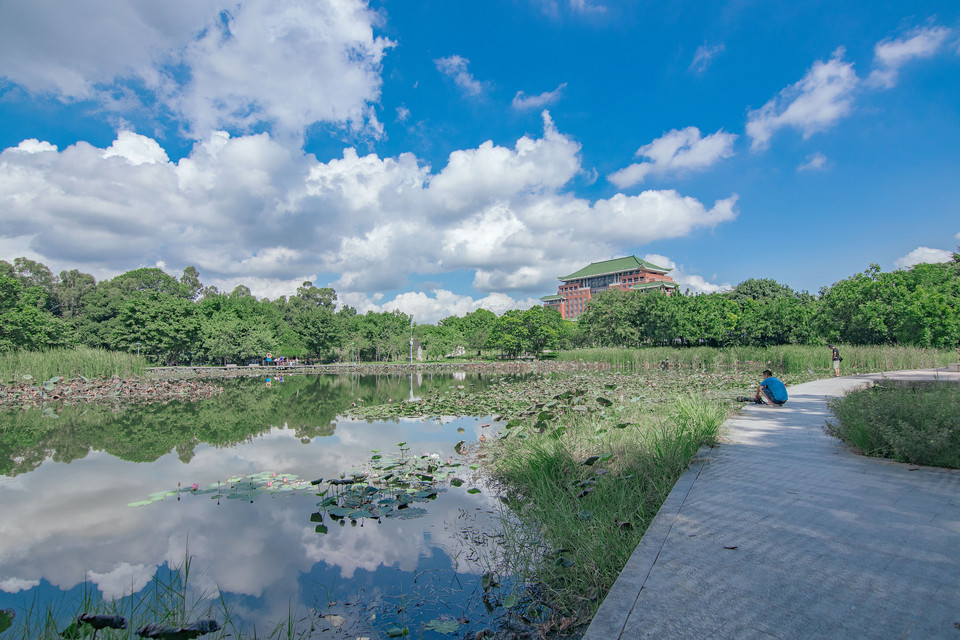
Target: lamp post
138,348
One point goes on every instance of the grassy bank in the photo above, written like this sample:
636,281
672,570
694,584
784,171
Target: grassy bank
586,478
69,363
793,359
919,424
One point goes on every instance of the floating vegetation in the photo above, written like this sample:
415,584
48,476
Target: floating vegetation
26,393
511,398
247,488
387,487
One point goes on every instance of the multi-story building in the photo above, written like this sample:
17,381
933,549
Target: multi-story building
626,274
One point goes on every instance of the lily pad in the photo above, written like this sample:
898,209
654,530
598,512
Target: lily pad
443,626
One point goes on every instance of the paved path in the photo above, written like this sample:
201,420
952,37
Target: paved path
781,532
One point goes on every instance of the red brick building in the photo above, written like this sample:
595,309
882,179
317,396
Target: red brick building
626,274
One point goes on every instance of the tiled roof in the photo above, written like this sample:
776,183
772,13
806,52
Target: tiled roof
653,285
617,265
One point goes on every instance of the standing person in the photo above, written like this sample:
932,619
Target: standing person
835,356
771,391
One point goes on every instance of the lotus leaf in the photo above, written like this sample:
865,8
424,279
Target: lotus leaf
510,601
443,626
6,619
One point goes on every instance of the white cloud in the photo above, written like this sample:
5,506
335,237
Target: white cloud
136,149
281,63
687,281
704,56
585,6
403,114
429,308
455,67
891,54
522,102
14,585
248,210
816,102
123,579
677,150
923,255
814,162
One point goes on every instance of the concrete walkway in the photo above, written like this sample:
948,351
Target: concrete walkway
781,532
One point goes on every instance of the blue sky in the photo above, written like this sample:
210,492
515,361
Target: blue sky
439,156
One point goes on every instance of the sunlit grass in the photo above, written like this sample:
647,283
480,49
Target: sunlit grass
592,516
917,423
69,363
795,359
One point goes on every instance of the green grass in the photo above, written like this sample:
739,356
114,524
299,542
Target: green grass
592,516
795,359
919,423
70,363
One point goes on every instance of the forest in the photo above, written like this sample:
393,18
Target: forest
180,321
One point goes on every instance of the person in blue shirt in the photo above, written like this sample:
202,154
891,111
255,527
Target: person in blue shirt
771,391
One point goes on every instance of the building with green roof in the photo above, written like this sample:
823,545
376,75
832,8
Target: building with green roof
624,274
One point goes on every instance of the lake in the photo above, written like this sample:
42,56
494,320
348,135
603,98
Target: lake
114,501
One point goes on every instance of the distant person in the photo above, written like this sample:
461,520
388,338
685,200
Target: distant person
771,391
835,356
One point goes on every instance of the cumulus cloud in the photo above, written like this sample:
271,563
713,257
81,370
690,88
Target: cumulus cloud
249,210
676,151
523,102
430,308
455,67
923,255
892,53
687,281
814,162
703,57
823,96
214,64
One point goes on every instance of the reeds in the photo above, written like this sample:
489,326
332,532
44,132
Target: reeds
69,363
794,359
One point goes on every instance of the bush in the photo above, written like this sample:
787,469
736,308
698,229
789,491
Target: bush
919,424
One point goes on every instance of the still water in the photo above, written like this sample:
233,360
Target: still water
83,507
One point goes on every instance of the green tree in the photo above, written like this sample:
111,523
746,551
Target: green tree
190,281
159,325
25,322
543,328
509,333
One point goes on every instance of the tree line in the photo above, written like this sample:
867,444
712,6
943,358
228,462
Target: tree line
919,307
181,321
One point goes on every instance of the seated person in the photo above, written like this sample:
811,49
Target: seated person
771,391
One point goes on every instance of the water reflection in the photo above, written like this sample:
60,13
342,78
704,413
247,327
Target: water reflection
66,488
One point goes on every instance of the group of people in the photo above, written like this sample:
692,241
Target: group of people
771,391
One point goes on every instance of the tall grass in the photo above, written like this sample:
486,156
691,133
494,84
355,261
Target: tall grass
70,363
919,424
593,515
795,359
